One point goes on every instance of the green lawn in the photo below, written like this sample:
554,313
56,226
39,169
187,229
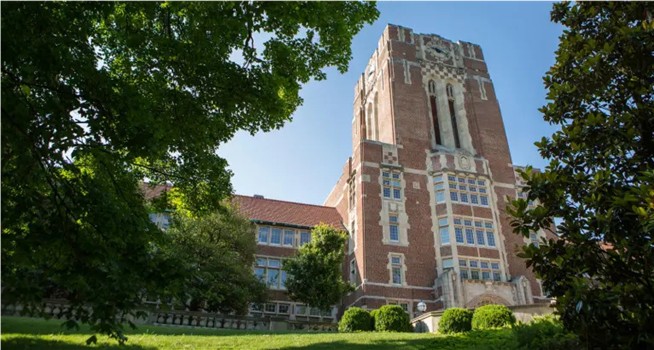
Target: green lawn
29,333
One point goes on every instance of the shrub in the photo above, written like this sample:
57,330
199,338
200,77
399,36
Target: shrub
355,319
373,318
455,320
492,316
544,333
392,318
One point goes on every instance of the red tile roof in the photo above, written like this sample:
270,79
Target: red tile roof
290,213
151,191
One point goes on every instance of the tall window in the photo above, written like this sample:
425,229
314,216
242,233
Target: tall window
289,238
444,231
352,193
392,187
305,237
455,127
396,269
353,235
434,111
439,188
269,270
394,228
353,271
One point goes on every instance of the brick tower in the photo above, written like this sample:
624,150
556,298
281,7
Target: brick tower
424,192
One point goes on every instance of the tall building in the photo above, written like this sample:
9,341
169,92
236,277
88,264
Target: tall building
424,193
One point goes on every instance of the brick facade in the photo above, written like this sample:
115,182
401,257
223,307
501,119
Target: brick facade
411,82
423,195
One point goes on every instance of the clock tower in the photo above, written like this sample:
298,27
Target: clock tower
424,193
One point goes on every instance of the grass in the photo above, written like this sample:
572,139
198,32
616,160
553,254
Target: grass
30,333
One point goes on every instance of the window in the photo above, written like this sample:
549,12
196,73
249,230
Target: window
394,228
300,309
270,271
470,239
447,263
480,237
477,232
443,231
396,269
289,238
533,237
353,271
353,235
480,269
432,87
455,127
467,190
491,238
270,308
458,232
276,236
280,236
434,111
439,188
305,237
392,185
263,235
284,308
353,193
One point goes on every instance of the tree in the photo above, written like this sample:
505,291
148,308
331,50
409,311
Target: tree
315,274
98,96
600,179
216,253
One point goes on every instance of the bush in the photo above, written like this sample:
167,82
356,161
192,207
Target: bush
492,316
392,318
355,319
455,320
544,333
373,318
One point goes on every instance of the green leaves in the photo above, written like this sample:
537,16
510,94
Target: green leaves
314,274
97,97
215,254
599,182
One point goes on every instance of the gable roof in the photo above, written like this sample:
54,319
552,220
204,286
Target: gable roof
274,211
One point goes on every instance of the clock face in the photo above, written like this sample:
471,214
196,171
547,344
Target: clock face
439,51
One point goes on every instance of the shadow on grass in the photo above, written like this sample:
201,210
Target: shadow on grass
38,343
497,339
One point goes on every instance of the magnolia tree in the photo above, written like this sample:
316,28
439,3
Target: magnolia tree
600,180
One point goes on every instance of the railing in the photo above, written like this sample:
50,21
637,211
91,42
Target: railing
57,308
208,320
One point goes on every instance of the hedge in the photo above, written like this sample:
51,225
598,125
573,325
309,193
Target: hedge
392,318
355,319
455,320
492,316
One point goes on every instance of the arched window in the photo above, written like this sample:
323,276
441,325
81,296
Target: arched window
431,87
455,128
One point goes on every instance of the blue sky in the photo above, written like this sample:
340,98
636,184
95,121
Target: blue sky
302,161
